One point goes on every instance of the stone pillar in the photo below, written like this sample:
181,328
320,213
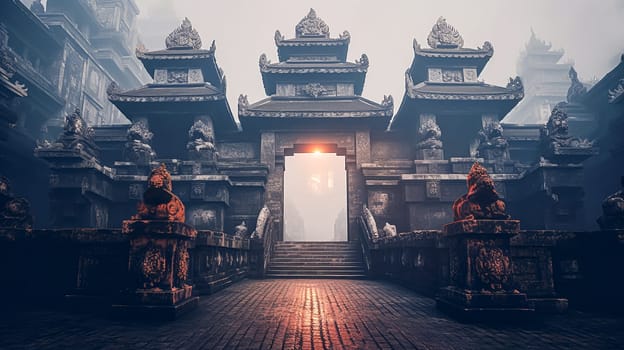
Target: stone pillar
158,270
158,258
480,268
481,271
429,146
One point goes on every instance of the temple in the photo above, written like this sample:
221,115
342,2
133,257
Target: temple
149,190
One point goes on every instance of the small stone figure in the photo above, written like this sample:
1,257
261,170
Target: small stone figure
390,230
241,230
201,141
576,89
613,210
492,144
481,201
14,212
555,137
138,147
430,135
159,202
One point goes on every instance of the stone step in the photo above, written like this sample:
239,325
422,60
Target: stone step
317,272
306,260
324,267
327,276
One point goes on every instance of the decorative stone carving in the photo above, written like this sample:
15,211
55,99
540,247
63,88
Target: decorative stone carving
201,141
444,36
363,61
243,103
390,230
197,190
181,263
195,76
240,230
369,220
263,62
515,84
487,46
576,89
138,148
492,144
14,211
312,26
617,92
613,210
387,101
261,222
113,89
452,76
435,75
76,126
177,76
159,202
470,75
76,136
429,135
314,90
433,189
278,37
184,37
37,7
493,268
556,143
481,201
345,35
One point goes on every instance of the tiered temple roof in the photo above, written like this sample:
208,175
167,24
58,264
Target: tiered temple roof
449,72
182,73
313,79
545,81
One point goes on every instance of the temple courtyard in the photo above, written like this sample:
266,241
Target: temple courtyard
308,314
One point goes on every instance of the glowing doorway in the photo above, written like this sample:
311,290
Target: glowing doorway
315,197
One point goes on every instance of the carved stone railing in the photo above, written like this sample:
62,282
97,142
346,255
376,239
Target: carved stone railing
218,259
88,267
262,250
550,266
367,244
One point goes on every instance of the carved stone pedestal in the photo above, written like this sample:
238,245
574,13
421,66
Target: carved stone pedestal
158,270
481,272
430,154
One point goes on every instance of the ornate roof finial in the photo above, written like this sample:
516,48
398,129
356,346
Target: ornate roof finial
312,26
444,36
576,89
184,37
363,61
37,7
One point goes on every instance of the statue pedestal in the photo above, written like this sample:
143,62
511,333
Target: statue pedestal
430,154
481,272
158,270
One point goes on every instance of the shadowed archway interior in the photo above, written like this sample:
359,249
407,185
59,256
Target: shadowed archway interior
315,197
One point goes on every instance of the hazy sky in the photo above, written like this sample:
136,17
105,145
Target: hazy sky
590,32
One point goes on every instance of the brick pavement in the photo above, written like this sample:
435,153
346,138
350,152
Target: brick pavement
308,314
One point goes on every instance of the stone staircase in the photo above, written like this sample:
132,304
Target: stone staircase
316,260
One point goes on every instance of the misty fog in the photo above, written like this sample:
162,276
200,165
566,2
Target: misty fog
315,197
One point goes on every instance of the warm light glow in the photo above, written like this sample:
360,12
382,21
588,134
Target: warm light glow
317,152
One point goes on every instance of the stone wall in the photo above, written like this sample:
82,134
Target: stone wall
90,266
584,267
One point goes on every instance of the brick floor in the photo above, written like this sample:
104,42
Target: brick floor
308,314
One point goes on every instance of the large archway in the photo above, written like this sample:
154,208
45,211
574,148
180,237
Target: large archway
315,197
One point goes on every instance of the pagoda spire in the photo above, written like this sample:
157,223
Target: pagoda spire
184,37
312,26
444,36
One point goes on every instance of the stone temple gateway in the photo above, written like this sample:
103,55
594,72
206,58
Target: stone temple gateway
405,169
